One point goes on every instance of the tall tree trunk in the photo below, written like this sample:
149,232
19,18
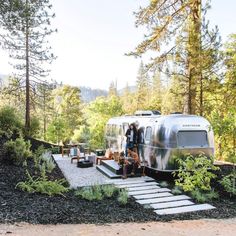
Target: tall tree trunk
194,46
201,96
27,82
44,114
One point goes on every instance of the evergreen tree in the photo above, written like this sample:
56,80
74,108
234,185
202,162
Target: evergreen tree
113,89
26,24
128,101
157,91
143,86
166,20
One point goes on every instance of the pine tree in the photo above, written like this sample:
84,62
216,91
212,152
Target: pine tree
113,89
157,91
26,24
143,86
165,20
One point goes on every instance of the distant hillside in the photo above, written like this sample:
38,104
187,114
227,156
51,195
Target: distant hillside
88,94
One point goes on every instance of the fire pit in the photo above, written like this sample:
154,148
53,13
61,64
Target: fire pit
85,164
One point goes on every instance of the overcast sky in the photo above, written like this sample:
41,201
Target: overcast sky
94,35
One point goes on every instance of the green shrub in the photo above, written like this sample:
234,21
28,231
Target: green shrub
90,193
42,185
9,122
195,173
43,159
85,193
123,196
177,190
109,190
229,183
97,192
16,152
201,196
163,184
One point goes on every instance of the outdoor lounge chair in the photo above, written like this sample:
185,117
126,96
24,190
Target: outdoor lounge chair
76,155
108,156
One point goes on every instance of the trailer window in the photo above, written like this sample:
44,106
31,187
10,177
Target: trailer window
192,139
108,132
148,134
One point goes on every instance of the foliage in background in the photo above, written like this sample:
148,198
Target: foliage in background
34,129
57,130
17,151
97,114
224,125
43,185
67,114
81,134
10,122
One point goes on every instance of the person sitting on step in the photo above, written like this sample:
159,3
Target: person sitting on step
131,161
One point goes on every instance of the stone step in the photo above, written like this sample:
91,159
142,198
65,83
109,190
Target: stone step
140,188
107,172
163,199
143,178
112,166
138,185
134,193
123,182
153,195
177,210
171,204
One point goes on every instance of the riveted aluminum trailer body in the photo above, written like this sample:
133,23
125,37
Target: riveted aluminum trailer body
165,137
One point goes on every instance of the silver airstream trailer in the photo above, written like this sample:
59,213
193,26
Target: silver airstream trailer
165,137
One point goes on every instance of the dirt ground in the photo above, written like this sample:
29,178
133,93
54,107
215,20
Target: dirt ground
175,228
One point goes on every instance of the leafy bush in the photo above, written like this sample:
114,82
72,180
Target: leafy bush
42,185
90,193
10,122
97,192
123,197
177,190
109,190
163,184
201,196
229,183
194,173
43,160
85,193
16,152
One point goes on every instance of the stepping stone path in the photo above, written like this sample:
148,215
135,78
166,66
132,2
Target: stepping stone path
147,191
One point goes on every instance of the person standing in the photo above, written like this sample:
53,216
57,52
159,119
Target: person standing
131,138
140,141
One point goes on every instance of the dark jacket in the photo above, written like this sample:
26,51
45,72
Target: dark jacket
134,138
140,136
